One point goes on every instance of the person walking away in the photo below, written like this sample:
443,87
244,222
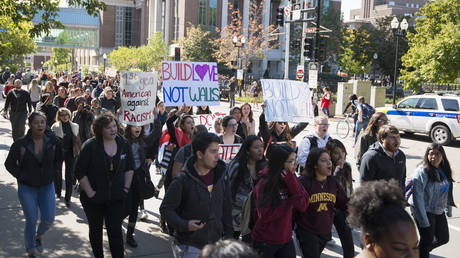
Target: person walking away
317,139
369,136
19,102
353,103
432,195
384,159
34,160
231,93
325,195
277,196
377,209
34,91
365,112
104,169
255,93
197,223
326,100
342,174
242,175
67,132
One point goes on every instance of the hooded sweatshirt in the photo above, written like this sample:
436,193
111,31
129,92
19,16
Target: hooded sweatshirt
376,164
273,225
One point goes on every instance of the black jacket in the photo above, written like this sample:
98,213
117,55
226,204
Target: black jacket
376,165
264,132
92,162
24,165
363,144
188,198
50,112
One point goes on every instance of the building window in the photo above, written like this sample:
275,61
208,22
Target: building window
417,6
212,14
412,6
128,25
391,3
119,27
407,4
202,12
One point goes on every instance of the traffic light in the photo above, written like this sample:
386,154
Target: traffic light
177,54
308,47
295,43
280,17
322,49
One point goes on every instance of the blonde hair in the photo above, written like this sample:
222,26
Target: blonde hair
61,111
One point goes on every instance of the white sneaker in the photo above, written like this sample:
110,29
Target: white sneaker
143,215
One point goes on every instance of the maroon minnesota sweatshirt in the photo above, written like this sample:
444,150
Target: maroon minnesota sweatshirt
324,197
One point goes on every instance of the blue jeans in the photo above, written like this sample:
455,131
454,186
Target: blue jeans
188,251
32,199
359,126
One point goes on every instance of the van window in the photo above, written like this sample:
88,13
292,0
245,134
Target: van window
408,103
450,104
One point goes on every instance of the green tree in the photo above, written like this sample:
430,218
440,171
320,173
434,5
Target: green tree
16,41
198,45
333,20
356,52
144,58
22,12
434,47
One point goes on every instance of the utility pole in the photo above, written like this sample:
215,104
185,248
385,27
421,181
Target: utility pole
304,28
317,38
287,30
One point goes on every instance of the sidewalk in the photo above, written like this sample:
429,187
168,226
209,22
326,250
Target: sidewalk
69,235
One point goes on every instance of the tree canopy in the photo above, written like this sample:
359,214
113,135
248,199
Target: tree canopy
356,52
434,47
16,41
22,12
144,58
198,45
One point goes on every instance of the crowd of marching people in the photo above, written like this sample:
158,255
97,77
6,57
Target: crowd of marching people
273,194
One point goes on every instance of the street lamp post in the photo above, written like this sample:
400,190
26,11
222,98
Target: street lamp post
398,31
55,65
104,56
375,60
235,43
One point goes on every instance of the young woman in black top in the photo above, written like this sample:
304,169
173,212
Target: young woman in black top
104,169
230,124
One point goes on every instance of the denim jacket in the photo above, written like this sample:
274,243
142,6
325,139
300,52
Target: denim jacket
425,196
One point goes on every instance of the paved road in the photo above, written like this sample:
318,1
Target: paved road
69,235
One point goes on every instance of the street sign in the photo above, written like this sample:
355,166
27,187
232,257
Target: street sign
287,11
239,74
3,30
296,15
300,72
310,30
313,75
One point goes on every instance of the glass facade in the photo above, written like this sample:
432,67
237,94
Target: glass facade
212,14
119,27
128,26
70,37
202,12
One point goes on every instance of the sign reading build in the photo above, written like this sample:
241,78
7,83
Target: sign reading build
138,95
190,83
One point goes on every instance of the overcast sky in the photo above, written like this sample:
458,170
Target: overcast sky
347,5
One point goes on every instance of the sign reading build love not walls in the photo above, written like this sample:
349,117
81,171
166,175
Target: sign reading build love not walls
138,96
192,83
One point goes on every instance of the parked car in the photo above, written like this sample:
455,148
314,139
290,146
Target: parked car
437,115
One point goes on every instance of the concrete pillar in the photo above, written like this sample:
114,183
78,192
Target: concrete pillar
266,23
167,21
246,6
224,13
344,89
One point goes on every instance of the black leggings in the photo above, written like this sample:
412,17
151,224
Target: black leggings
439,228
135,198
345,234
312,244
69,176
267,250
112,215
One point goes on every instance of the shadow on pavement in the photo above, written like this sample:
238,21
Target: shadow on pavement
426,138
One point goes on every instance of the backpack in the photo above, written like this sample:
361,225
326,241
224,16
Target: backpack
246,222
314,141
408,189
368,111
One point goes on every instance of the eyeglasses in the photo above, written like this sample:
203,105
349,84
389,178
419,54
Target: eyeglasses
234,125
324,124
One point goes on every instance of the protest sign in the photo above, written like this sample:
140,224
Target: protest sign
138,95
109,71
192,83
287,101
227,152
208,120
